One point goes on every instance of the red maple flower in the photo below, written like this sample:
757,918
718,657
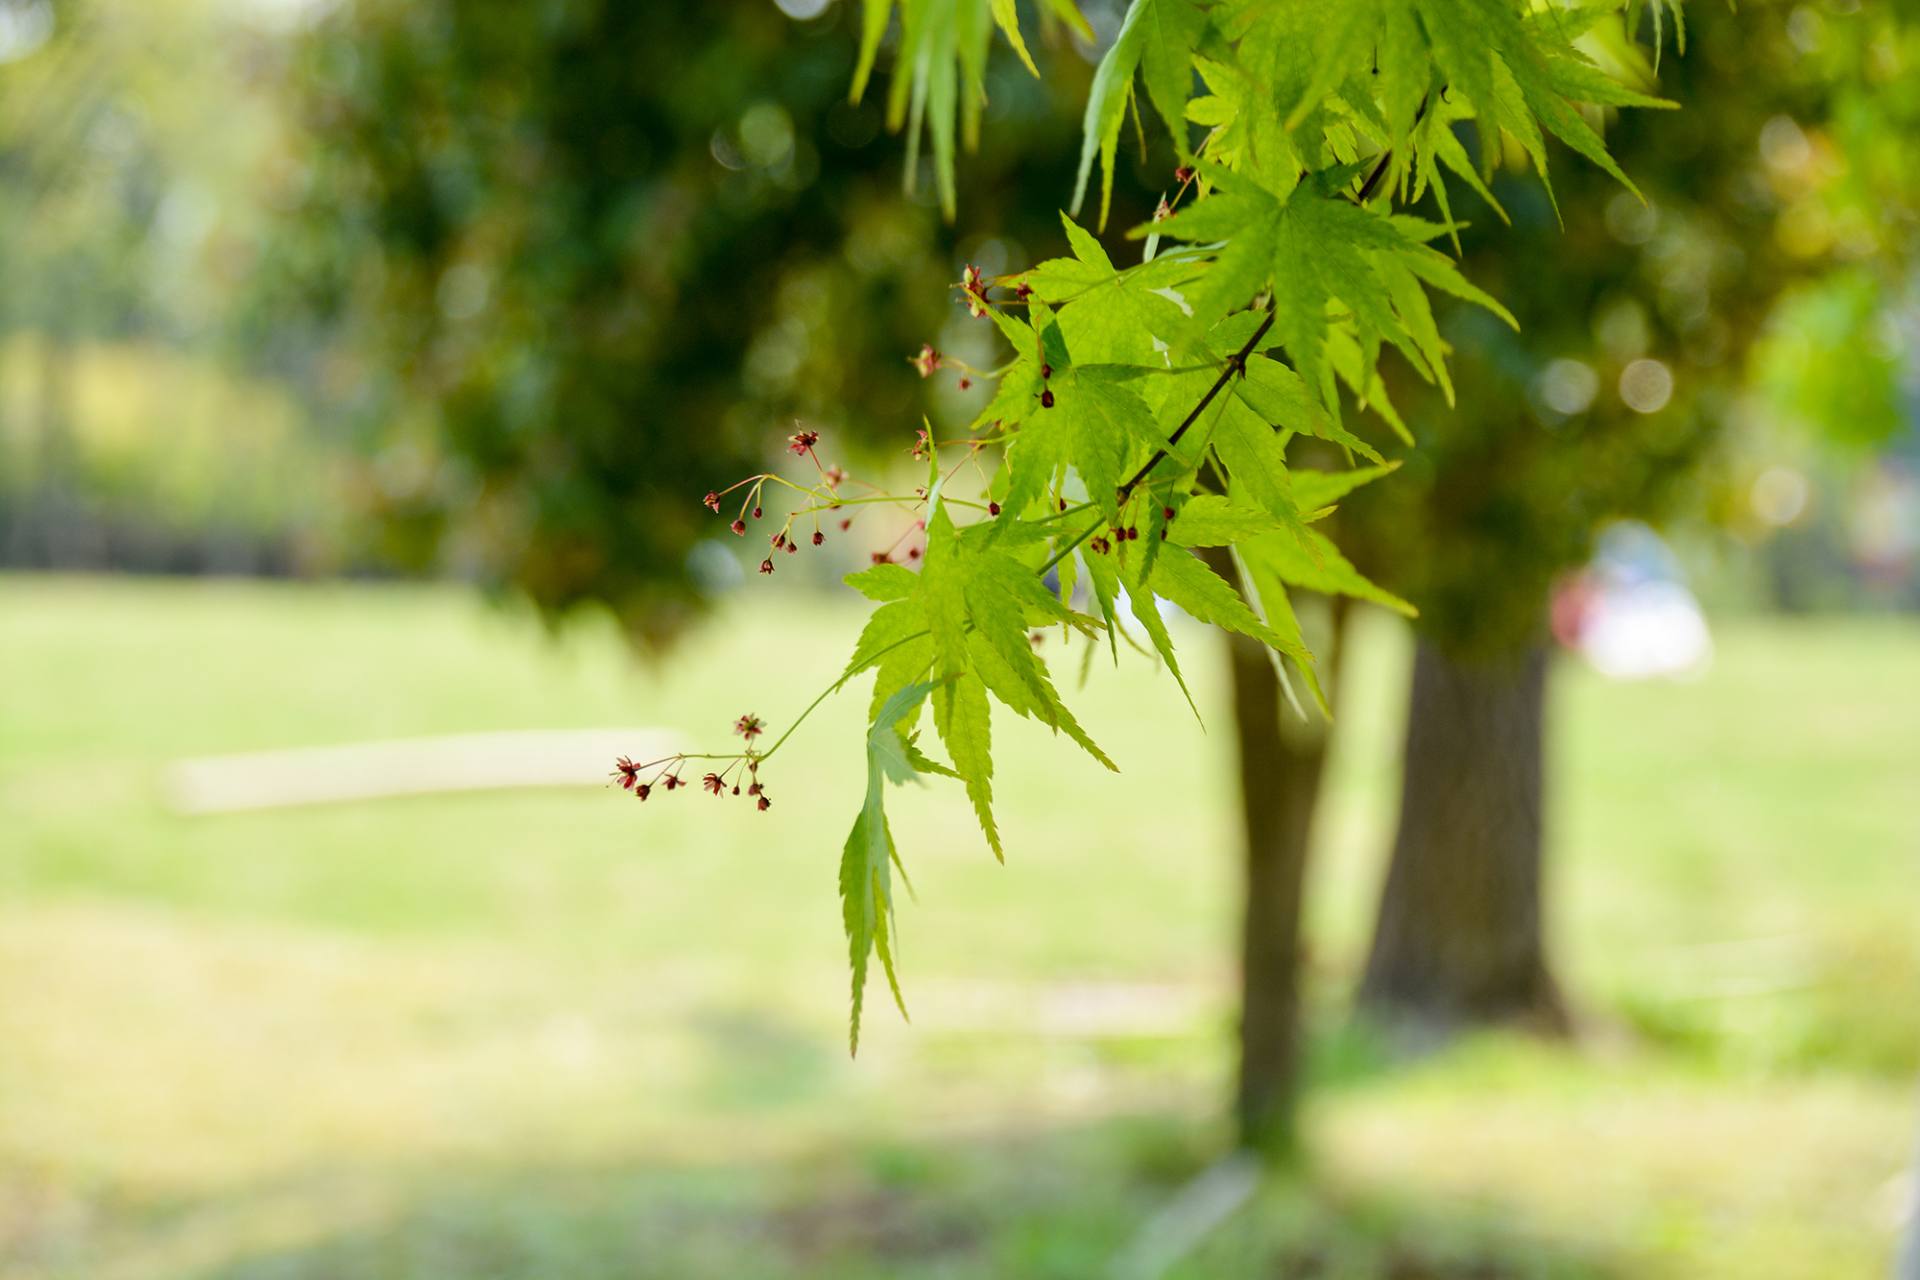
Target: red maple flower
713,783
626,772
713,501
801,441
749,726
927,361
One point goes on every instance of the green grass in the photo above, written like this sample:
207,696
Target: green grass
556,1034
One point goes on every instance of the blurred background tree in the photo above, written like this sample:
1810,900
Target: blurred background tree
1644,350
585,261
131,140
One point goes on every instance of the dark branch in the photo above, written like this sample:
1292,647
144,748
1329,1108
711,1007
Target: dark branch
1238,364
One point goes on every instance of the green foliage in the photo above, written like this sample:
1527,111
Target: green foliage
1758,282
943,45
1146,410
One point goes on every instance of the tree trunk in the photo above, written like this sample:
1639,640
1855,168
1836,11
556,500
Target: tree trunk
1281,757
1459,937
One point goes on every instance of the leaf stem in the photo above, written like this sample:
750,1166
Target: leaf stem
835,688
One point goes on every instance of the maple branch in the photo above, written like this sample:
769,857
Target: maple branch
1238,364
1380,170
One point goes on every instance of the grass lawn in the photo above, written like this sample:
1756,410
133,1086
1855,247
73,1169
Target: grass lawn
556,1035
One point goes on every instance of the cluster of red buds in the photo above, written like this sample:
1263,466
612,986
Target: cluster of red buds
824,495
743,769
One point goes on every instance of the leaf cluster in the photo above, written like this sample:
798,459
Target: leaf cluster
1148,411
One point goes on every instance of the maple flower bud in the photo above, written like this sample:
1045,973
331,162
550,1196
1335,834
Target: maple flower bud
927,361
757,513
993,508
846,524
1183,175
1167,512
1046,371
738,526
818,537
766,566
965,383
1162,211
976,290
792,547
764,803
713,501
643,791
834,475
754,789
1046,399
779,540
879,557
913,553
1023,291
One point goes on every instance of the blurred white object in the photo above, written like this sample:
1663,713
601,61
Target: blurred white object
1629,613
1652,629
407,766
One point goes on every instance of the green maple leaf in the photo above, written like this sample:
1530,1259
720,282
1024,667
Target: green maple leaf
1157,39
868,858
1115,315
1208,597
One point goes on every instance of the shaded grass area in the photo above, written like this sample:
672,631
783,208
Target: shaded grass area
560,1034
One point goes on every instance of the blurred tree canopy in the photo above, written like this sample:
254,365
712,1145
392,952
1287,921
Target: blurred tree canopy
586,260
1781,187
1787,179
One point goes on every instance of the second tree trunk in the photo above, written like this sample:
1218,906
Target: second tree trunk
1460,939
